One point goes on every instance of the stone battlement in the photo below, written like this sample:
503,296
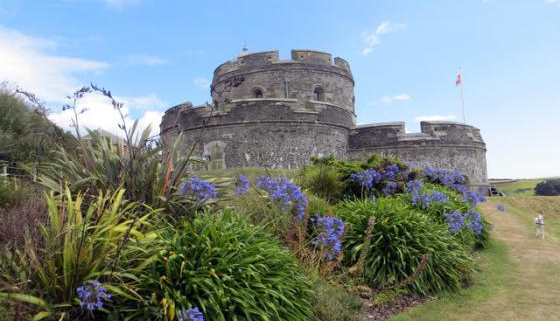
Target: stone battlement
272,58
432,133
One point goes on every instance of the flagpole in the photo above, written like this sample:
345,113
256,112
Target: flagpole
462,96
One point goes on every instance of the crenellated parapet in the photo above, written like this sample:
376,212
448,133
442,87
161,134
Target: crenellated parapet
389,135
309,76
445,145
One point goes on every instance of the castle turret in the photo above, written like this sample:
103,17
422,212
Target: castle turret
271,112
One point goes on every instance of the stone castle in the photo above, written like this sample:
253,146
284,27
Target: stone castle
274,113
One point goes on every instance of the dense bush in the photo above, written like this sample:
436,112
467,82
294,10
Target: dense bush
225,266
550,187
403,248
355,178
444,205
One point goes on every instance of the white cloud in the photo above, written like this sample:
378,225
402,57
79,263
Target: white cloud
28,63
553,2
393,98
202,83
145,60
147,102
372,39
100,114
435,118
120,3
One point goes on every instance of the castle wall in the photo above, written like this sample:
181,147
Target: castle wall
442,145
266,144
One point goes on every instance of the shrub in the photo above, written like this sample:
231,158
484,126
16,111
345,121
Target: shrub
376,176
22,221
406,248
550,187
323,180
228,268
80,243
332,303
444,205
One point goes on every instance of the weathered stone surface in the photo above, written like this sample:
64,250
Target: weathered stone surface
278,113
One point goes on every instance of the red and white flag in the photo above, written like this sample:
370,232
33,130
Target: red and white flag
458,81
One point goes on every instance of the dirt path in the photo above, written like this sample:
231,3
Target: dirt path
534,289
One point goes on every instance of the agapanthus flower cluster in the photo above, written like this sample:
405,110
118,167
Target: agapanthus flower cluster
286,193
501,207
192,314
453,180
92,295
198,189
455,222
472,220
391,172
475,223
424,199
331,232
368,179
242,185
473,198
390,188
414,187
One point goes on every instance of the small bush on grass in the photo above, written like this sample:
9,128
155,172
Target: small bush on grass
225,266
332,303
406,248
550,187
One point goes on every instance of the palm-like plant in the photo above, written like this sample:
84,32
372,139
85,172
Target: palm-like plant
80,243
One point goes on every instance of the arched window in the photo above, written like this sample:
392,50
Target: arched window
257,93
318,94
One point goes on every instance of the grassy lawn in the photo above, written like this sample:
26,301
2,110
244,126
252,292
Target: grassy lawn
518,278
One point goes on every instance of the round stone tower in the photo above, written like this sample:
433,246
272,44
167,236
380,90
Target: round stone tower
268,112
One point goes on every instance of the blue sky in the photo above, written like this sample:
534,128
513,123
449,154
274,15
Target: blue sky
405,56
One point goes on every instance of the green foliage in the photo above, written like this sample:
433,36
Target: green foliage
10,193
79,243
323,180
26,135
229,268
320,177
406,248
550,187
332,303
150,173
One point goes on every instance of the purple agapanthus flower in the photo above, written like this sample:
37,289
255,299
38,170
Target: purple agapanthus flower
473,198
501,207
284,192
198,189
242,185
390,188
192,314
330,234
368,179
92,295
391,172
455,222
